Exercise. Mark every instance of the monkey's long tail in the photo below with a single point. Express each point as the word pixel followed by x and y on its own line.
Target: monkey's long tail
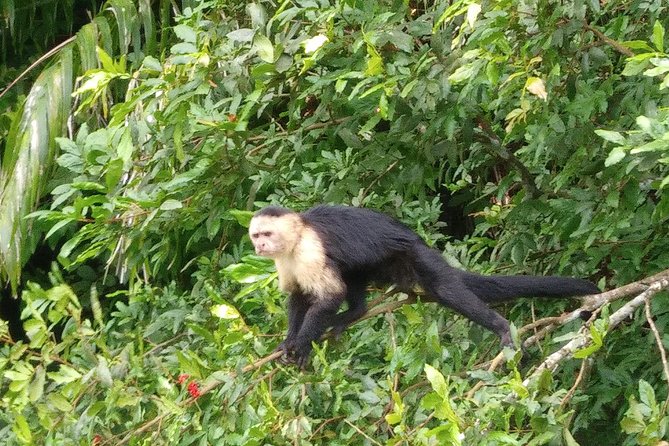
pixel 500 288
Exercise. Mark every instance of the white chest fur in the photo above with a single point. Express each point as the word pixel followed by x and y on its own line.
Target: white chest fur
pixel 306 270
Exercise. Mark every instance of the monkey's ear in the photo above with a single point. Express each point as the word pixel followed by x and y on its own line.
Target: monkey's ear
pixel 242 217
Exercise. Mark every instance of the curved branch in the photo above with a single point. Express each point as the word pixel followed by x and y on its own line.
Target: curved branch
pixel 552 362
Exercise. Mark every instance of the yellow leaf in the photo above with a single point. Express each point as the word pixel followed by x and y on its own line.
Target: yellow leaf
pixel 536 86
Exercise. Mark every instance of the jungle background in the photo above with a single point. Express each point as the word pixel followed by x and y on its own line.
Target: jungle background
pixel 518 137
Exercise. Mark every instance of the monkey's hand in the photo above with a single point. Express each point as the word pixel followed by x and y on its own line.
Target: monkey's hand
pixel 300 355
pixel 285 358
pixel 294 353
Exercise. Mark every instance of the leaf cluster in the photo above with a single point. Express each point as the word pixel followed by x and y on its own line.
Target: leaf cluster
pixel 517 137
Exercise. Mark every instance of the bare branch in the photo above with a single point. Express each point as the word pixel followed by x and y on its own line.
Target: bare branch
pixel 583 339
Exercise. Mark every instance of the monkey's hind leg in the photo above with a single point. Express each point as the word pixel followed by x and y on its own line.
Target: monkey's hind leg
pixel 357 307
pixel 444 283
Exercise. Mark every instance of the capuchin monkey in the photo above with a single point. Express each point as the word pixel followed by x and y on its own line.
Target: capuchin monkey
pixel 328 255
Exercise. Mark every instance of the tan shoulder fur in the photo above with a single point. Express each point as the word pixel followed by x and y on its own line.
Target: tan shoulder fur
pixel 307 269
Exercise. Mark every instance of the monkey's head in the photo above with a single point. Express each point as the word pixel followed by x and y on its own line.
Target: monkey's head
pixel 274 231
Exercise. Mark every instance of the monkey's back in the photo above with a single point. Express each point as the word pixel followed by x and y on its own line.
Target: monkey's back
pixel 356 237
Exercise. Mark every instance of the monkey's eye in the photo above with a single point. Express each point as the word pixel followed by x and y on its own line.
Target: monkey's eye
pixel 267 233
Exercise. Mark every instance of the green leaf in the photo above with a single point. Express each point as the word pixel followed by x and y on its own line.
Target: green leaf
pixel 60 402
pixel 36 388
pixel 374 66
pixel 242 217
pixel 658 36
pixel 185 33
pixel 615 156
pixel 637 64
pixel 638 45
pixel 647 394
pixel 29 154
pixel 393 418
pixel 241 35
pixel 436 380
pixel 170 204
pixel 257 13
pixel 653 146
pixel 463 73
pixel 183 48
pixel 22 429
pixel 264 48
pixel 614 137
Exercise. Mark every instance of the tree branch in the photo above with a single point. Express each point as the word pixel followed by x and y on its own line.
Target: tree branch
pixel 552 362
pixel 603 37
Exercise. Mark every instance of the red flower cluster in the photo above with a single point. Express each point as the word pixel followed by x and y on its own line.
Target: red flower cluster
pixel 96 440
pixel 193 386
pixel 183 378
pixel 194 389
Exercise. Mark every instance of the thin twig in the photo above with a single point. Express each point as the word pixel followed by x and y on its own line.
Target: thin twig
pixel 42 58
pixel 616 45
pixel 663 353
pixel 570 394
pixel 362 433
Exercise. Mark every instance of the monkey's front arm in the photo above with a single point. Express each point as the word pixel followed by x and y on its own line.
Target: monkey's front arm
pixel 307 321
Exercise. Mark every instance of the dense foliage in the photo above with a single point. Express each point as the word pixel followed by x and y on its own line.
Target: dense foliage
pixel 516 136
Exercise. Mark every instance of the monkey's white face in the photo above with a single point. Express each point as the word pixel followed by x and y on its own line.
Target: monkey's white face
pixel 272 236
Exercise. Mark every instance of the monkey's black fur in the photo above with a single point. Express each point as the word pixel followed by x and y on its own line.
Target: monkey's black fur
pixel 366 247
